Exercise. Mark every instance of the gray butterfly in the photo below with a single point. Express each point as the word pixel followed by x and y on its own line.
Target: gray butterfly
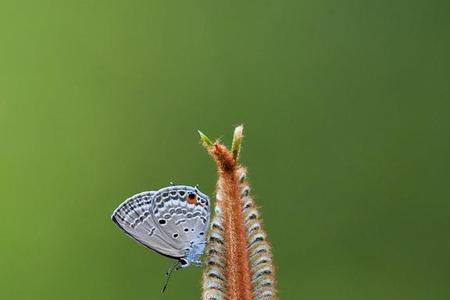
pixel 171 221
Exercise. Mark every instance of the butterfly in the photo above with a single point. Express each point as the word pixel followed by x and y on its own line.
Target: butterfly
pixel 171 221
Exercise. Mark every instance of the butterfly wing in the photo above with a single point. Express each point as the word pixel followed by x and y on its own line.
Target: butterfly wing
pixel 134 216
pixel 182 214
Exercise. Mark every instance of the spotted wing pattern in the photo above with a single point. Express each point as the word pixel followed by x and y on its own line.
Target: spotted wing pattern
pixel 134 217
pixel 182 212
pixel 168 221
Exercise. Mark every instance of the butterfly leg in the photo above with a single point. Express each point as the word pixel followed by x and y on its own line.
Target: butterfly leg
pixel 175 267
pixel 197 263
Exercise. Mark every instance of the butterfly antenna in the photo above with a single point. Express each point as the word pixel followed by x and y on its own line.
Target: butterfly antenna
pixel 175 267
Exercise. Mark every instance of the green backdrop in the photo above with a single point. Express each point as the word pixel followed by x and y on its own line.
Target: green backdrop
pixel 346 108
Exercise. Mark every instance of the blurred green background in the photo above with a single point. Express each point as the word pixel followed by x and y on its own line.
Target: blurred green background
pixel 347 115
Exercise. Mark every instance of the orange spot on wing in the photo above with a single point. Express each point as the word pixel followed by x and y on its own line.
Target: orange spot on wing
pixel 191 199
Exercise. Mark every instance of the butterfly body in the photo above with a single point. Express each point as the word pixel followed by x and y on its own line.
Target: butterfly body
pixel 171 221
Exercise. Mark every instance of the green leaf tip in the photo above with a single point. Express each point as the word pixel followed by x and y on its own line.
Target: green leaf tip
pixel 205 140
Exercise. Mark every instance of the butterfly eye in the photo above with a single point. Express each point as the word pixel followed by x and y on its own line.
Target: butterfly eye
pixel 191 198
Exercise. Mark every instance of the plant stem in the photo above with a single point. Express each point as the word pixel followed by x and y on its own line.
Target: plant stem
pixel 239 258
